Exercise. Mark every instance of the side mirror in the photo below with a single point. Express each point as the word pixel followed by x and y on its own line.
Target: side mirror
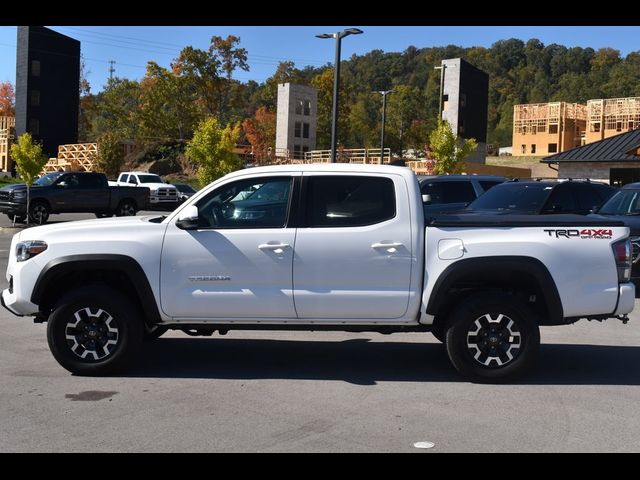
pixel 188 218
pixel 426 198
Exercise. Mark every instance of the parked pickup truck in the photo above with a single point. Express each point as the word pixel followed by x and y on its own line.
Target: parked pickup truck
pixel 162 195
pixel 318 247
pixel 61 192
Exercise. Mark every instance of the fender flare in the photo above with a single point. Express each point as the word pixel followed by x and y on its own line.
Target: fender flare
pixel 120 263
pixel 472 266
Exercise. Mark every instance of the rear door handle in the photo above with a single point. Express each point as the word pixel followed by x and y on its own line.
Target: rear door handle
pixel 274 247
pixel 391 247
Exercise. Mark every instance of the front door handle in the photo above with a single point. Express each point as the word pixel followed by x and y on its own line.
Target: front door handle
pixel 391 246
pixel 274 247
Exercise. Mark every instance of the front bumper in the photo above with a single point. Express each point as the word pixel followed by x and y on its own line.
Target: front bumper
pixel 20 308
pixel 13 208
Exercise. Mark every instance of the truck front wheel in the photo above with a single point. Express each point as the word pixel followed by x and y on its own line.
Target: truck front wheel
pixel 127 208
pixel 94 331
pixel 492 338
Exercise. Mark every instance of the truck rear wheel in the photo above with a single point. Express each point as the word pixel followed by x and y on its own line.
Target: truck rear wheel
pixel 492 338
pixel 94 331
pixel 127 208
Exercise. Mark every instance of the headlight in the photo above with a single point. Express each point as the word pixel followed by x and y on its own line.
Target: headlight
pixel 29 249
pixel 19 194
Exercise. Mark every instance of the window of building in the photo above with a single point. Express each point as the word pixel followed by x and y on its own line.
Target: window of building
pixel 618 126
pixel 595 127
pixel 305 148
pixel 553 148
pixel 34 126
pixel 297 129
pixel 445 102
pixel 533 148
pixel 305 130
pixel 35 68
pixel 35 98
pixel 349 201
pixel 297 151
pixel 553 128
pixel 523 149
pixel 542 128
pixel 299 107
pixel 463 100
pixel 307 108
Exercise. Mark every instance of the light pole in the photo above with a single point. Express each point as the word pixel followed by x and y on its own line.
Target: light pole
pixel 384 94
pixel 336 83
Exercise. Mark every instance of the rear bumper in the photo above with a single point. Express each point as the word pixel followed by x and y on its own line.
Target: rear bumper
pixel 626 298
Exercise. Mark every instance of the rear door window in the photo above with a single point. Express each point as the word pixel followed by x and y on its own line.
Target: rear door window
pixel 349 201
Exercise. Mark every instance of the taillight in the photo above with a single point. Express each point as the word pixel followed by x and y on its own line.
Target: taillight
pixel 622 254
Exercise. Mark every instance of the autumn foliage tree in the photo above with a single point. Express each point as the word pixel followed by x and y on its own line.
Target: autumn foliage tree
pixel 261 133
pixel 7 99
pixel 448 151
pixel 211 149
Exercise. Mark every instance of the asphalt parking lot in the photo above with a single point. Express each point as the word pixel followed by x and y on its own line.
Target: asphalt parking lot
pixel 319 392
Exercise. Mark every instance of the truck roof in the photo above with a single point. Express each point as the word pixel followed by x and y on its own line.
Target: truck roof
pixel 324 167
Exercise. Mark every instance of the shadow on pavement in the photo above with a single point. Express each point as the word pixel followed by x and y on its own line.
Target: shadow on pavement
pixel 362 362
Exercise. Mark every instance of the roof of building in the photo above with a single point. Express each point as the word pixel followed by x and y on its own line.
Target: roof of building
pixel 612 149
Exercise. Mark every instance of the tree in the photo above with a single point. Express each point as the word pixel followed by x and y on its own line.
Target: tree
pixel 211 149
pixel 448 151
pixel 7 99
pixel 261 133
pixel 29 161
pixel 324 83
pixel 168 107
pixel 117 109
pixel 110 154
pixel 211 72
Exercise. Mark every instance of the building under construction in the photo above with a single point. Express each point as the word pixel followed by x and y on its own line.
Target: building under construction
pixel 613 116
pixel 547 128
pixel 7 125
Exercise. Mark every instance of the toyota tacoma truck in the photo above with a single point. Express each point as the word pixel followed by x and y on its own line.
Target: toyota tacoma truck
pixel 318 247
pixel 71 192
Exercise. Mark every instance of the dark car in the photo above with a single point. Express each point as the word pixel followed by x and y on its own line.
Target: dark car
pixel 184 191
pixel 625 206
pixel 449 193
pixel 542 197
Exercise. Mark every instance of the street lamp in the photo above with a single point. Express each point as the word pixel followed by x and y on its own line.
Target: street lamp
pixel 384 94
pixel 442 68
pixel 336 83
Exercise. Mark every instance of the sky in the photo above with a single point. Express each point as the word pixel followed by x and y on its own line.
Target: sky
pixel 131 47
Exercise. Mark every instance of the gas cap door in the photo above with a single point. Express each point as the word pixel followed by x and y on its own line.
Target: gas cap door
pixel 450 248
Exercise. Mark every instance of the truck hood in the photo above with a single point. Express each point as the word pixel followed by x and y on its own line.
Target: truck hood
pixel 88 227
pixel 156 186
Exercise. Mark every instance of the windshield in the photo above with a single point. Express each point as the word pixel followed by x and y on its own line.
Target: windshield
pixel 514 197
pixel 149 179
pixel 624 202
pixel 47 179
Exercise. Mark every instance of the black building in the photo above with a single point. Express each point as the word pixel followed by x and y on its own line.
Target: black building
pixel 465 102
pixel 47 87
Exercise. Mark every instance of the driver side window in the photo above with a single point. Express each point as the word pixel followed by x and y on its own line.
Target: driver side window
pixel 253 203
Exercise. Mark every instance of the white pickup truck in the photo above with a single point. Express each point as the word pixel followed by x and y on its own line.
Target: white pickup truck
pixel 318 247
pixel 161 194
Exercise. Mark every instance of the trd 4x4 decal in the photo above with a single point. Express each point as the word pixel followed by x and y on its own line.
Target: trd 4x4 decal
pixel 603 233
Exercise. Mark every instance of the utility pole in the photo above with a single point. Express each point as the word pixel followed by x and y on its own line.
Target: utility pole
pixel 111 69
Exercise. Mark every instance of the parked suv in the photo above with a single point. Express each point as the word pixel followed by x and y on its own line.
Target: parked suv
pixel 163 195
pixel 625 206
pixel 448 193
pixel 543 197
